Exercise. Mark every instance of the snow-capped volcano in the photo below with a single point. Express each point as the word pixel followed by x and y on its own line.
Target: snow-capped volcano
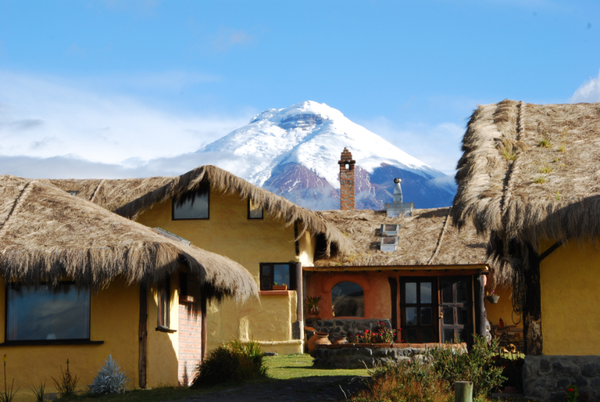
pixel 294 152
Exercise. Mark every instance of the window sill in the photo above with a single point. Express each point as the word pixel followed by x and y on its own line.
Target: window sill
pixel 160 328
pixel 50 342
pixel 274 292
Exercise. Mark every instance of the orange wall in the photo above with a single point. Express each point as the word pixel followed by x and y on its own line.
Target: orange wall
pixel 378 302
pixel 503 309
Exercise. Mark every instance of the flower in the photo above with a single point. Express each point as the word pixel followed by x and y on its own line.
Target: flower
pixel 568 390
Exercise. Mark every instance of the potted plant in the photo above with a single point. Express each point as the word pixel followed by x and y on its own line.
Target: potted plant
pixel 312 305
pixel 276 286
pixel 492 297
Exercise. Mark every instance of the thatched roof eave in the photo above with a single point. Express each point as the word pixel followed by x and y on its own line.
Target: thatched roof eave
pixel 48 235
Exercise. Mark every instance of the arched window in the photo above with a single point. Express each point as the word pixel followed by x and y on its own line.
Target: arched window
pixel 347 300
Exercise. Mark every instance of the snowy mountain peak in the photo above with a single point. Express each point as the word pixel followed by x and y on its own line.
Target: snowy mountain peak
pixel 311 135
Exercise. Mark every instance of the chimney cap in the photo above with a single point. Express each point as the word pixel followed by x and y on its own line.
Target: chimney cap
pixel 397 180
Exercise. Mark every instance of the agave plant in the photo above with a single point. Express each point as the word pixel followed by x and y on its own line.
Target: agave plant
pixel 110 380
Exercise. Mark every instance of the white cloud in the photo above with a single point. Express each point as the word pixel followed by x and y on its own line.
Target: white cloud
pixel 45 117
pixel 228 38
pixel 588 92
pixel 437 145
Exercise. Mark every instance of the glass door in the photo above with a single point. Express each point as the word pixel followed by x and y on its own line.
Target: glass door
pixel 456 314
pixel 418 304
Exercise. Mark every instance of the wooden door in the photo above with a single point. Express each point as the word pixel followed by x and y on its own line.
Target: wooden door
pixel 456 311
pixel 418 309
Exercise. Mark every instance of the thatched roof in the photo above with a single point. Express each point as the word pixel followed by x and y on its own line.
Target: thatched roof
pixel 48 234
pixel 530 172
pixel 226 182
pixel 110 193
pixel 425 238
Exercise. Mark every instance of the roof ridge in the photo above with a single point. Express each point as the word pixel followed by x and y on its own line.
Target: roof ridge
pixel 96 190
pixel 18 202
pixel 441 238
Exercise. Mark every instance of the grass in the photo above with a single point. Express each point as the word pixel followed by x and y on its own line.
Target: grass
pixel 298 366
pixel 279 368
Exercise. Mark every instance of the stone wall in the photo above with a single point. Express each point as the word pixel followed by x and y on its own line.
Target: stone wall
pixel 350 356
pixel 344 327
pixel 547 378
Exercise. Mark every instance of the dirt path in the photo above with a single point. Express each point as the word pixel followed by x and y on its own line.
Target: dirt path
pixel 295 390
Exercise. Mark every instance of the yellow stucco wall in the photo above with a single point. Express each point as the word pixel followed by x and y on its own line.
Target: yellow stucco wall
pixel 114 319
pixel 570 284
pixel 163 347
pixel 249 242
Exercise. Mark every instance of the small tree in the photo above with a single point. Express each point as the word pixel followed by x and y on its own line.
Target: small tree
pixel 110 380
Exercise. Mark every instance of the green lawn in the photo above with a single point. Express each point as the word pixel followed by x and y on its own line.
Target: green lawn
pixel 297 366
pixel 279 368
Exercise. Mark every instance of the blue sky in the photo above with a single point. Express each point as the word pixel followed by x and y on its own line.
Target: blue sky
pixel 121 82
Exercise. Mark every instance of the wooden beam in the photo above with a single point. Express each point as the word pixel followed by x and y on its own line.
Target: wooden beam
pixel 143 335
pixel 394 293
pixel 480 313
pixel 532 314
pixel 299 293
pixel 551 249
pixel 203 329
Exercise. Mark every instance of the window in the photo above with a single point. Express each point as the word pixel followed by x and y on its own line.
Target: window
pixel 347 300
pixel 193 204
pixel 456 312
pixel 164 302
pixel 46 313
pixel 254 210
pixel 279 273
pixel 73 192
pixel 418 306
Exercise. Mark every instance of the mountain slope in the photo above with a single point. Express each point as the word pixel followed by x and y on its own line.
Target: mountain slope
pixel 294 152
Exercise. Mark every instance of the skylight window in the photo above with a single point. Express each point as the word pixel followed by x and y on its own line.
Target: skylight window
pixel 388 244
pixel 193 204
pixel 390 230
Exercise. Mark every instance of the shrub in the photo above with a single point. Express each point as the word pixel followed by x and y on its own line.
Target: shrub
pixel 235 361
pixel 110 379
pixel 432 378
pixel 67 383
pixel 407 381
pixel 477 366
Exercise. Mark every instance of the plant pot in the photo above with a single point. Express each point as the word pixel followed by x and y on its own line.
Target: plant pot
pixel 279 287
pixel 493 298
pixel 340 341
pixel 315 310
pixel 319 338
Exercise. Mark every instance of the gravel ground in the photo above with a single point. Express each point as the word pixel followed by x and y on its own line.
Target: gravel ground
pixel 295 390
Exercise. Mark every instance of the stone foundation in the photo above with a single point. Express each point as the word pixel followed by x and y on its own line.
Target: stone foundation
pixel 344 327
pixel 352 356
pixel 547 378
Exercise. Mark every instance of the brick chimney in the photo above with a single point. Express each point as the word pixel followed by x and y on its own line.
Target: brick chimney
pixel 347 180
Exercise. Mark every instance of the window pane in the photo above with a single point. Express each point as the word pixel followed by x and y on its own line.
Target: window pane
pixel 448 315
pixel 448 335
pixel 410 292
pixel 254 211
pixel 266 270
pixel 447 292
pixel 47 314
pixel 463 317
pixel 462 335
pixel 347 300
pixel 426 292
pixel 427 335
pixel 426 316
pixel 281 274
pixel 462 292
pixel 411 315
pixel 193 205
pixel 412 335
